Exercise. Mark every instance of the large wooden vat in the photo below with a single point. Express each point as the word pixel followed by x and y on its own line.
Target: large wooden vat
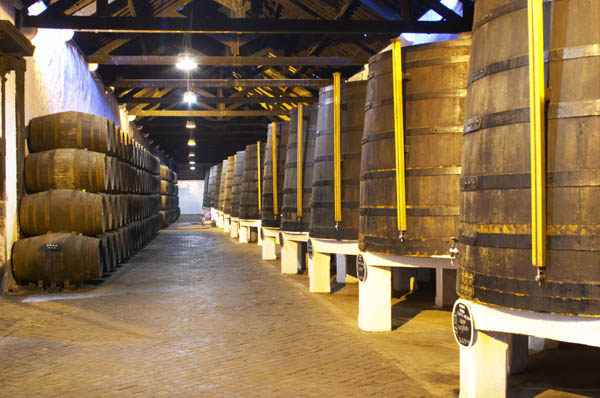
pixel 62 210
pixel 229 184
pixel 205 200
pixel 167 188
pixel 217 191
pixel 169 202
pixel 236 190
pixel 433 140
pixel 271 217
pixel 249 195
pixel 322 217
pixel 212 183
pixel 56 258
pixel 167 174
pixel 289 212
pixel 67 169
pixel 495 265
pixel 71 130
pixel 222 182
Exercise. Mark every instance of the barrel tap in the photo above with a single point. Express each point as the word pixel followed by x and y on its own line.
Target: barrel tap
pixel 453 251
pixel 541 275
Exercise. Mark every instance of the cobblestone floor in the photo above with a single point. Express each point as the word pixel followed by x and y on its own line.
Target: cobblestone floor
pixel 195 314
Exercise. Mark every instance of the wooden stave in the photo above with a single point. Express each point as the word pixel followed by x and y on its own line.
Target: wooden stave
pixel 222 182
pixel 229 184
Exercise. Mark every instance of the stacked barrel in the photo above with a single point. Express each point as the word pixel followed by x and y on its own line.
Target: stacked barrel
pixel 169 199
pixel 92 199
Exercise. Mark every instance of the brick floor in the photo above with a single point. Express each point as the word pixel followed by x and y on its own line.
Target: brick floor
pixel 195 314
pixel 192 314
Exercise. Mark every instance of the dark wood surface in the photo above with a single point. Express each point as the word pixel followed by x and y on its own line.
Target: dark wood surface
pixel 269 218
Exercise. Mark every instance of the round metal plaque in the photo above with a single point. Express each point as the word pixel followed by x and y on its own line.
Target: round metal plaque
pixel 361 268
pixel 462 324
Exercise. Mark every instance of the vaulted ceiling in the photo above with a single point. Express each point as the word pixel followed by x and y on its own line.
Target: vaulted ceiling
pixel 257 59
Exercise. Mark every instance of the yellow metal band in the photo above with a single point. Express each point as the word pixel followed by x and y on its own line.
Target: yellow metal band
pixel 259 173
pixel 337 143
pixel 274 166
pixel 299 183
pixel 399 135
pixel 537 98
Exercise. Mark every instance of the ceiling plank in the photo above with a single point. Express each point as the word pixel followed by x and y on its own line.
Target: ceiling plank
pixel 171 60
pixel 236 25
pixel 227 100
pixel 220 83
pixel 211 113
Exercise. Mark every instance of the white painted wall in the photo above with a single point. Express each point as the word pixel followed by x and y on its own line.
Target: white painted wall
pixel 57 80
pixel 190 196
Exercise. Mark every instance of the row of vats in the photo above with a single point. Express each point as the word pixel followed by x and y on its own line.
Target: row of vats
pixel 428 164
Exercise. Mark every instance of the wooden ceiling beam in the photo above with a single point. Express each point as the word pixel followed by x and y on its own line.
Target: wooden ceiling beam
pixel 211 113
pixel 220 83
pixel 171 60
pixel 228 100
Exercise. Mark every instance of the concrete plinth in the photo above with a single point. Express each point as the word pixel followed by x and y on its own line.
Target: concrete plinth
pixel 249 231
pixel 234 233
pixel 342 267
pixel 293 252
pixel 270 238
pixel 319 271
pixel 226 223
pixel 319 265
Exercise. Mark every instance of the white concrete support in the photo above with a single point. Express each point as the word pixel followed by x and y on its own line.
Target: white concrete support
pixel 226 223
pixel 503 339
pixel 269 248
pixel 244 234
pixel 291 257
pixel 375 300
pixel 220 219
pixel 248 231
pixel 319 270
pixel 445 287
pixel 342 267
pixel 214 214
pixel 235 228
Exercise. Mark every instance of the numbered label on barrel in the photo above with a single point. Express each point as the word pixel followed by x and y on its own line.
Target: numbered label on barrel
pixel 309 248
pixel 361 268
pixel 280 238
pixel 462 324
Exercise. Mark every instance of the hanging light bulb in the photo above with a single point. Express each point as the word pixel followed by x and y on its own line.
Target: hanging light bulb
pixel 186 62
pixel 192 154
pixel 190 124
pixel 191 140
pixel 192 168
pixel 189 97
pixel 192 162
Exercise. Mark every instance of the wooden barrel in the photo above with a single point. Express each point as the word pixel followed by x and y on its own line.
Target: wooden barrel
pixel 217 190
pixel 236 190
pixel 495 259
pixel 205 190
pixel 249 207
pixel 62 210
pixel 66 169
pixel 212 183
pixel 109 221
pixel 168 202
pixel 106 256
pixel 116 246
pixel 169 216
pixel 58 257
pixel 167 174
pixel 433 140
pixel 222 182
pixel 322 217
pixel 229 184
pixel 270 216
pixel 69 130
pixel 167 188
pixel 289 215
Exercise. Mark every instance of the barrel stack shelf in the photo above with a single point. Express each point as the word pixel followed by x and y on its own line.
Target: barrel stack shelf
pixel 227 191
pixel 410 171
pixel 236 193
pixel 295 212
pixel 92 200
pixel 272 187
pixel 527 254
pixel 169 196
pixel 251 195
pixel 334 213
